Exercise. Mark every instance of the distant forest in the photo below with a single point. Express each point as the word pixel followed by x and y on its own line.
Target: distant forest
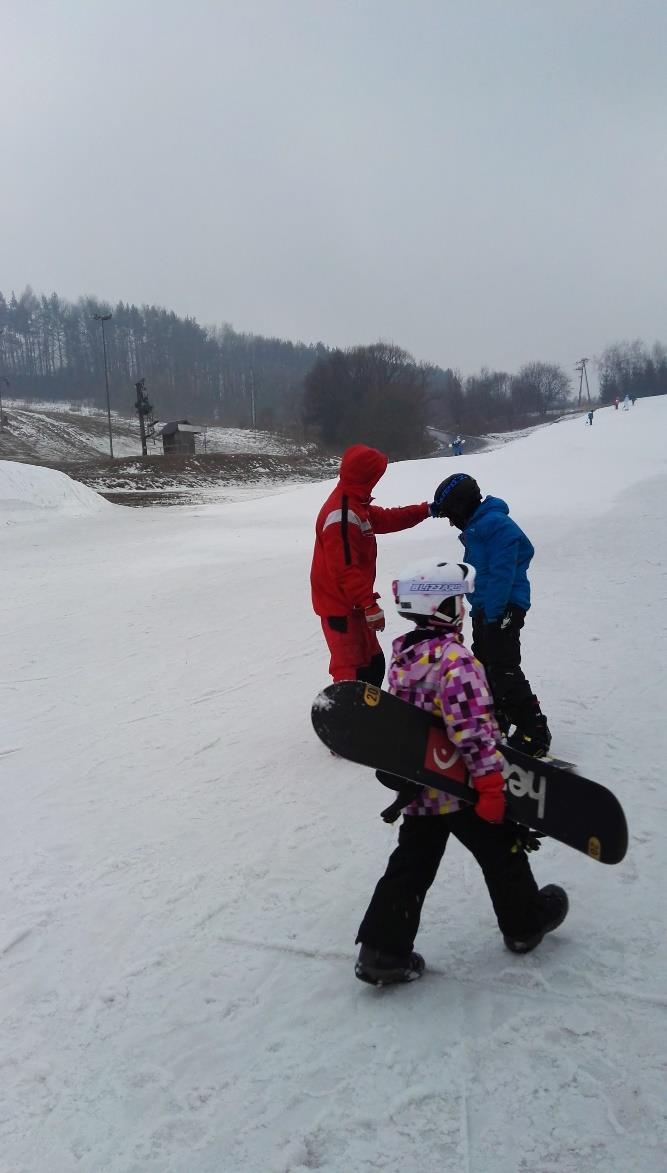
pixel 52 349
pixel 631 369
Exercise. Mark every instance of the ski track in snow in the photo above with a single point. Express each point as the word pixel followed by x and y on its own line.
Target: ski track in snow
pixel 184 867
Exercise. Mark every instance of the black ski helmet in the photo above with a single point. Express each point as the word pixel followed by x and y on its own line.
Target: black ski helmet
pixel 457 498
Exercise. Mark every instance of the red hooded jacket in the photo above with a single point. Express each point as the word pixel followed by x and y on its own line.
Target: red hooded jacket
pixel 342 575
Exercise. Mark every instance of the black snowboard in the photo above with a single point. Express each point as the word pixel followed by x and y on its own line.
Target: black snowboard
pixel 374 728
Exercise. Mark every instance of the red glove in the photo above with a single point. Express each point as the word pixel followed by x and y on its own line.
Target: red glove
pixel 374 617
pixel 490 805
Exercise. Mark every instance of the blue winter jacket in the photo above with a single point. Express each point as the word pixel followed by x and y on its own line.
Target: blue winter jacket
pixel 501 554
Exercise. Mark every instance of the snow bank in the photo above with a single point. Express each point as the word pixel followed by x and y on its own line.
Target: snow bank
pixel 29 493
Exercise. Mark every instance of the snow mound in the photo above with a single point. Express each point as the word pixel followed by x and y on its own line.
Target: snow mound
pixel 28 493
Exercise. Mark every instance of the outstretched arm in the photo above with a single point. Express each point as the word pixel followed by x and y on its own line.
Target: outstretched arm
pixel 389 521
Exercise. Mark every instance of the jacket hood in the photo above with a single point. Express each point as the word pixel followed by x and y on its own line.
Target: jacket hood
pixel 361 467
pixel 419 655
pixel 489 505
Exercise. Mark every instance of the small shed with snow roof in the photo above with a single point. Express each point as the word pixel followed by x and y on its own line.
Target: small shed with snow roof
pixel 178 438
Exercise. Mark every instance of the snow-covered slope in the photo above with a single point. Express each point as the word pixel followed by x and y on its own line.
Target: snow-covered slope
pixel 65 432
pixel 29 493
pixel 184 867
pixel 71 432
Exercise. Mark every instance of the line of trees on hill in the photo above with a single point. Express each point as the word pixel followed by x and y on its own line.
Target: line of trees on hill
pixel 629 368
pixel 378 394
pixel 52 349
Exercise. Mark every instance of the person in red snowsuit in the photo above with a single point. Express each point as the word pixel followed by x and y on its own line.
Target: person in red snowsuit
pixel 342 575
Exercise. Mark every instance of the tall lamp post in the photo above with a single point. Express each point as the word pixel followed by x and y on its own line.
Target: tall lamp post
pixel 106 318
pixel 6 382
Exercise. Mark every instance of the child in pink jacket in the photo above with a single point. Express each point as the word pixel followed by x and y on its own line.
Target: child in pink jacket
pixel 433 669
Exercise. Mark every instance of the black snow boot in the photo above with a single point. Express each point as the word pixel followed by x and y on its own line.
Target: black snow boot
pixel 553 907
pixel 383 969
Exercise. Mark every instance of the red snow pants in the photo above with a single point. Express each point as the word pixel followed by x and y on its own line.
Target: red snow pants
pixel 354 648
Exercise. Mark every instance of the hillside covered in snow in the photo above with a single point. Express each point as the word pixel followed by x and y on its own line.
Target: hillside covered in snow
pixel 184 866
pixel 70 432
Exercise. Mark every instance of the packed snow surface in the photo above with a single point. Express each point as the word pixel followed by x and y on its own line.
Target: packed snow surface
pixel 184 866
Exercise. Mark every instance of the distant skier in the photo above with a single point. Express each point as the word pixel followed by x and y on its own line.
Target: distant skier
pixel 342 575
pixel 433 669
pixel 590 418
pixel 616 403
pixel 457 446
pixel 501 554
pixel 626 403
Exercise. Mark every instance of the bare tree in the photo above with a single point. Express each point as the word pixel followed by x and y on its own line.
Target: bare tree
pixel 540 388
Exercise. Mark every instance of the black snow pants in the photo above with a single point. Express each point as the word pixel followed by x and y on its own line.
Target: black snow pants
pixel 392 918
pixel 498 647
pixel 373 673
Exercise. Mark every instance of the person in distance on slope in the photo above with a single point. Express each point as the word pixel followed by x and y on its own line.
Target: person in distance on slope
pixel 501 554
pixel 431 668
pixel 342 575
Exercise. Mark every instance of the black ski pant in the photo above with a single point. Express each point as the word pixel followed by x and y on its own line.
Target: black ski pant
pixel 498 647
pixel 392 918
pixel 373 673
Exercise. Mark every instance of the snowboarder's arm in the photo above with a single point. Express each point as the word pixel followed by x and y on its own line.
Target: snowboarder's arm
pixel 467 711
pixel 389 521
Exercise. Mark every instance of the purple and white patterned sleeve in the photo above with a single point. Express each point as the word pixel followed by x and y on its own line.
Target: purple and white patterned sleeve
pixel 467 708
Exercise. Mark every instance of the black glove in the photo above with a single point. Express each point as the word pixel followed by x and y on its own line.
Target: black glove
pixel 500 624
pixel 523 838
pixel 407 793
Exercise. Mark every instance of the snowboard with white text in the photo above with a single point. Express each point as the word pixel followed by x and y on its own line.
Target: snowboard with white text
pixel 363 723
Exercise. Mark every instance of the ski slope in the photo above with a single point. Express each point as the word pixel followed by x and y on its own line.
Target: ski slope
pixel 184 866
pixel 71 431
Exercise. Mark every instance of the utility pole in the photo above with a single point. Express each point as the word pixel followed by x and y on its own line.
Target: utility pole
pixel 106 318
pixel 581 367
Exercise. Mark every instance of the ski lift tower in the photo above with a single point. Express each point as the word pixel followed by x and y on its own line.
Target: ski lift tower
pixel 144 410
pixel 581 367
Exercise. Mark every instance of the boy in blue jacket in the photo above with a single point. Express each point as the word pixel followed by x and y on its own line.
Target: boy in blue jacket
pixel 501 554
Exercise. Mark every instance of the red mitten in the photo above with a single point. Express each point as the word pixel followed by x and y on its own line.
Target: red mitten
pixel 374 617
pixel 490 804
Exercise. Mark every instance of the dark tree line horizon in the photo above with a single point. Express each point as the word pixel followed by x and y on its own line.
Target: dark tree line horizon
pixel 51 348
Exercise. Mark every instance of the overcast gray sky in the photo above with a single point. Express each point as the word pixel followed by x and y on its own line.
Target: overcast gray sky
pixel 481 182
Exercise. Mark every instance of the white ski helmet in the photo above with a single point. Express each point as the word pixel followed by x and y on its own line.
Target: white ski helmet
pixel 432 592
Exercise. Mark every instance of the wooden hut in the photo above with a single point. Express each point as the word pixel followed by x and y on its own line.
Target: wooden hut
pixel 178 438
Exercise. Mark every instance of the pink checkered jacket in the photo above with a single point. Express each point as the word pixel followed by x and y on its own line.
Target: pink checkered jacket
pixel 439 674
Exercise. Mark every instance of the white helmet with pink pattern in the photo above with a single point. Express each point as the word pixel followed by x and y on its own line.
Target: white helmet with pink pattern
pixel 431 592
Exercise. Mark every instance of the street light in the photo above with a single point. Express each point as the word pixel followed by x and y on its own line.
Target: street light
pixel 106 318
pixel 6 383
